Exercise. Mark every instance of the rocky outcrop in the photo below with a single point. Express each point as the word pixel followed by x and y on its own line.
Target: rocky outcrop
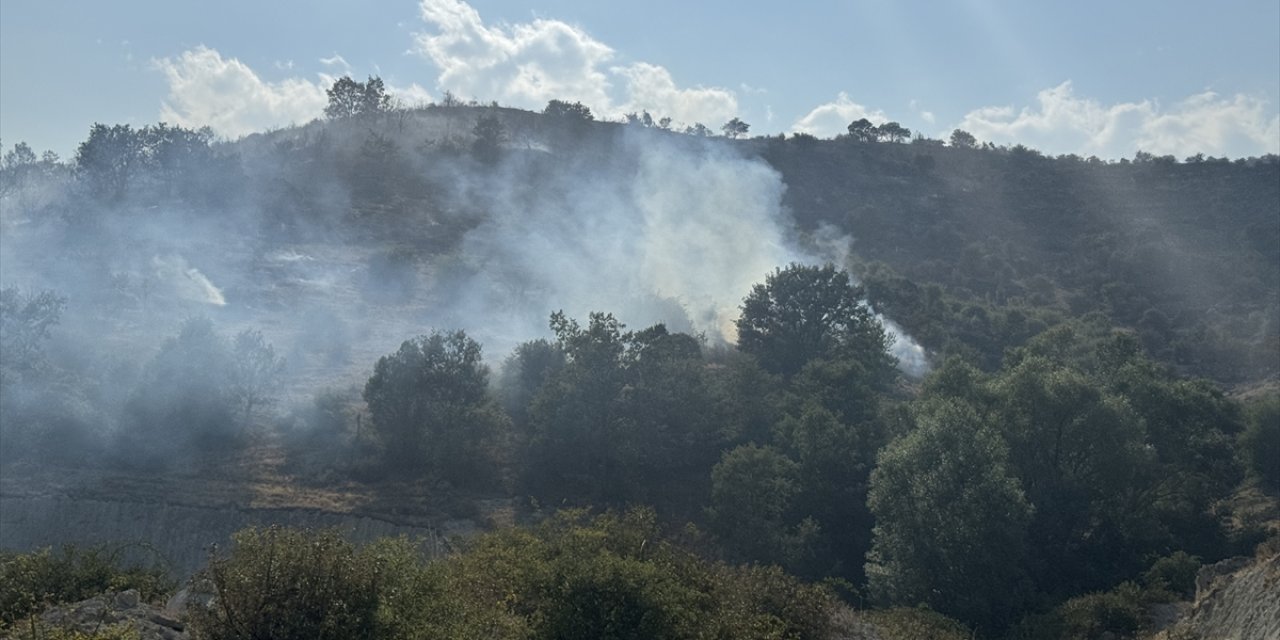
pixel 117 610
pixel 1236 599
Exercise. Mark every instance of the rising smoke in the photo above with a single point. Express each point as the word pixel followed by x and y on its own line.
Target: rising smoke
pixel 652 226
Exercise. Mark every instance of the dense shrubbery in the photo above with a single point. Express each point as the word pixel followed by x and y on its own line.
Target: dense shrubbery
pixel 1260 442
pixel 574 576
pixel 293 585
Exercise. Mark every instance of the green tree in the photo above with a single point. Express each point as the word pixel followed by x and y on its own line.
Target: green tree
pixel 489 136
pixel 1260 442
pixel 524 373
pixel 951 520
pixel 290 584
pixel 349 98
pixel 256 372
pixel 430 406
pixel 862 130
pixel 805 313
pixel 962 139
pixel 183 403
pixel 568 110
pixel 626 418
pixel 752 490
pixel 735 128
pixel 892 132
pixel 26 320
pixel 107 160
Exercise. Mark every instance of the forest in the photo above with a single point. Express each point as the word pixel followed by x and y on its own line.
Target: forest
pixel 737 387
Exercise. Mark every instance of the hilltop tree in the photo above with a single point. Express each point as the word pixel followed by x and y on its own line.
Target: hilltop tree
pixel 735 128
pixel 962 139
pixel 349 98
pixel 862 130
pixel 698 129
pixel 893 132
pixel 568 110
pixel 108 158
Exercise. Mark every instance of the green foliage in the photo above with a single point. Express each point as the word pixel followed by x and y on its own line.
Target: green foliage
pixel 349 98
pixel 806 313
pixel 752 489
pixel 561 109
pixel 914 623
pixel 962 139
pixel 625 419
pixel 1115 613
pixel 117 160
pixel 614 576
pixel 256 372
pixel 735 128
pixel 431 408
pixel 288 584
pixel 32 582
pixel 951 520
pixel 25 322
pixel 1174 574
pixel 489 135
pixel 1260 441
pixel 524 373
pixel 183 402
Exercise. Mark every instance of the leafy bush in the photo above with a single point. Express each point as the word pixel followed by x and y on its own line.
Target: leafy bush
pixel 293 584
pixel 283 583
pixel 32 582
pixel 613 576
pixel 1115 613
pixel 1175 574
pixel 1260 442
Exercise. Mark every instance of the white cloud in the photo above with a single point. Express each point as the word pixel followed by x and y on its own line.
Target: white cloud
pixel 336 61
pixel 528 64
pixel 413 95
pixel 832 118
pixel 924 114
pixel 651 88
pixel 225 94
pixel 1064 123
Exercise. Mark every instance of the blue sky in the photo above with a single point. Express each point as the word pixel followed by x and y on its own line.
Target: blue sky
pixel 1086 77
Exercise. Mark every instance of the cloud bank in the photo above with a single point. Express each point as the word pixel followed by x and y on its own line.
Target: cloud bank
pixel 1061 122
pixel 830 119
pixel 206 89
pixel 528 64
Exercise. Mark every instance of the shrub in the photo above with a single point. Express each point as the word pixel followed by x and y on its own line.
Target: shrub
pixel 1260 442
pixel 1175 574
pixel 285 584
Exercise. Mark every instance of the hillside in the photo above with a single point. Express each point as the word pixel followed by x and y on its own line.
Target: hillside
pixel 1006 387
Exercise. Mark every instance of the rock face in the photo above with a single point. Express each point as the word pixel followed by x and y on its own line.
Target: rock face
pixel 180 535
pixel 1236 599
pixel 148 621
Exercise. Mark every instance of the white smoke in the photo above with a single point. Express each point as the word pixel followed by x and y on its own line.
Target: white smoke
pixel 186 281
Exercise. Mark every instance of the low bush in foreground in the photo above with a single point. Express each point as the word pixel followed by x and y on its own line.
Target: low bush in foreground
pixel 605 577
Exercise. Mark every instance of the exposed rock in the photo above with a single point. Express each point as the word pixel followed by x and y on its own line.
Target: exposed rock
pixel 149 621
pixel 1236 599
